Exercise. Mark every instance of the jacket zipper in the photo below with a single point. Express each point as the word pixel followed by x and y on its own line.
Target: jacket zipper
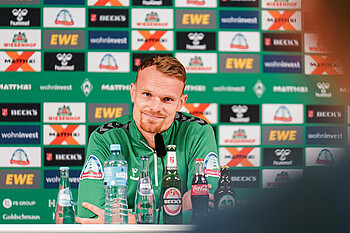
pixel 155 162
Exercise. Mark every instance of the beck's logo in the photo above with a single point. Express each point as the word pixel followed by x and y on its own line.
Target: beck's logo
pixel 4 112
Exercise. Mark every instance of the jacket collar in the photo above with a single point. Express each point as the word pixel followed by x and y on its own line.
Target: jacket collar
pixel 139 141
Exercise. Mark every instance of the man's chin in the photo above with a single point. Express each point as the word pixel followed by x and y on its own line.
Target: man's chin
pixel 151 127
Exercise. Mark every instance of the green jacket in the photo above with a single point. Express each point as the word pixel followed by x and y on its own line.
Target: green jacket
pixel 193 137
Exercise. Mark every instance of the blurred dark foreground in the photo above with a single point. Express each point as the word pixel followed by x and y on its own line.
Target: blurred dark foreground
pixel 318 203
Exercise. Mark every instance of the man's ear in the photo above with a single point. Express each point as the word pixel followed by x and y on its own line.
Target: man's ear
pixel 132 92
pixel 183 100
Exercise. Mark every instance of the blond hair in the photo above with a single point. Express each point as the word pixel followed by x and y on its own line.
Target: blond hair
pixel 167 65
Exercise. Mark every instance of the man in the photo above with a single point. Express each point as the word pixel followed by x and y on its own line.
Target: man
pixel 157 95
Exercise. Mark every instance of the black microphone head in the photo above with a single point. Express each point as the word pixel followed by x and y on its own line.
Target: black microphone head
pixel 160 146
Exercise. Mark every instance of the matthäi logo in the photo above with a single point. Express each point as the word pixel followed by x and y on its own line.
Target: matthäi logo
pixel 86 87
pixel 259 88
pixel 323 88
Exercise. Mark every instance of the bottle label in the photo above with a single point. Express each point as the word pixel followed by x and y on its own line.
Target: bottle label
pixel 171 161
pixel 172 201
pixel 145 186
pixel 226 202
pixel 116 176
pixel 200 189
pixel 64 197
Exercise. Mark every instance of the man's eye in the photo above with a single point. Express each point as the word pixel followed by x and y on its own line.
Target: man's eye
pixel 147 94
pixel 168 99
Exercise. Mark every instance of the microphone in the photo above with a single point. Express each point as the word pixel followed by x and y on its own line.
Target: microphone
pixel 160 146
pixel 161 152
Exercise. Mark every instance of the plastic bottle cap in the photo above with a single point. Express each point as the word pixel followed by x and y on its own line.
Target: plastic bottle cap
pixel 64 168
pixel 115 147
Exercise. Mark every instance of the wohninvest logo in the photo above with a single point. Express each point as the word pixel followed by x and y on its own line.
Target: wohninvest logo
pixel 282 64
pixel 108 40
pixel 239 19
pixel 52 179
pixel 17 134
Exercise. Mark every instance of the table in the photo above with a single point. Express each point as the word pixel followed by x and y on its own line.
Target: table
pixel 53 228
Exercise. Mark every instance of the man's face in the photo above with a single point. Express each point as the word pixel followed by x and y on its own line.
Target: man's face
pixel 156 97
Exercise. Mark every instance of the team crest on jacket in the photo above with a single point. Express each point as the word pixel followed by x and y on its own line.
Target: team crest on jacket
pixel 92 169
pixel 211 165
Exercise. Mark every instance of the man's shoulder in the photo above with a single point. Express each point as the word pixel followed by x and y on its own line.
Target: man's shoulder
pixel 122 123
pixel 188 120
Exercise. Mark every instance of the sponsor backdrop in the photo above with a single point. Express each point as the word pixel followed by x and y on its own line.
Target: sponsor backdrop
pixel 257 72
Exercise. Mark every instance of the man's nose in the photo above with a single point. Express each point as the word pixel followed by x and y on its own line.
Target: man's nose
pixel 155 104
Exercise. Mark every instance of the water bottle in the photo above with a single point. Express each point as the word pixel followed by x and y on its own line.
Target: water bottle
pixel 65 213
pixel 116 187
pixel 145 202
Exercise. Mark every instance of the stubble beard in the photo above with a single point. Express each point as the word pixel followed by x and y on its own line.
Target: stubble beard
pixel 150 126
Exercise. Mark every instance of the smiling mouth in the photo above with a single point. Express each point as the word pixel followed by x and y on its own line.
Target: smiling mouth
pixel 153 117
